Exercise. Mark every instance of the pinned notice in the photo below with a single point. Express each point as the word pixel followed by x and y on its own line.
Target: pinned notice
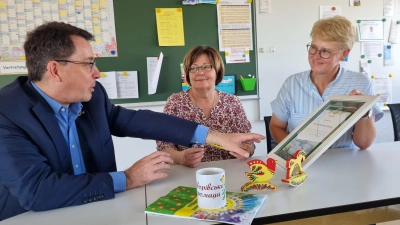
pixel 237 55
pixel 329 11
pixel 13 67
pixel 153 72
pixel 170 27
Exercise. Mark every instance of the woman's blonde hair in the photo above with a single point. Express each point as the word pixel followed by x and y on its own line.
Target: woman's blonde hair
pixel 212 54
pixel 336 28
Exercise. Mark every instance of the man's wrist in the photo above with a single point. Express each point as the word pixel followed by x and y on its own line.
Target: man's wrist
pixel 210 135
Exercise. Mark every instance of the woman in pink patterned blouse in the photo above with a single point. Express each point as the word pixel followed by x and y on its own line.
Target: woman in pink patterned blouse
pixel 217 110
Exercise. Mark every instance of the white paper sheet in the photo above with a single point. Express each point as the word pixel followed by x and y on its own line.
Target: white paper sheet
pixel 329 11
pixel 398 8
pixel 234 25
pixel 388 7
pixel 127 84
pixel 153 72
pixel 383 88
pixel 107 79
pixel 393 34
pixel 265 6
pixel 237 55
pixel 371 49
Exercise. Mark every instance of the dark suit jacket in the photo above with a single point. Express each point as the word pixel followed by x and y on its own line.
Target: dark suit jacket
pixel 35 164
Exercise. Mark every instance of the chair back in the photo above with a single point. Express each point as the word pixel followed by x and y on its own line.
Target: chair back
pixel 395 112
pixel 267 120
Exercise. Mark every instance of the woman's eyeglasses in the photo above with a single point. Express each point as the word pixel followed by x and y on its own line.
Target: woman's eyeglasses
pixel 205 68
pixel 324 53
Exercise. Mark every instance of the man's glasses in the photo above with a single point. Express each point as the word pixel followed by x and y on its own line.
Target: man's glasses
pixel 324 53
pixel 205 68
pixel 89 64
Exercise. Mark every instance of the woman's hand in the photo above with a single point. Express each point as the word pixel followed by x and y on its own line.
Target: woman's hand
pixel 191 157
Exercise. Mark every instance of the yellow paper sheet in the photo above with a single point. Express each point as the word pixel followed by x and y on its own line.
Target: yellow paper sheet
pixel 170 27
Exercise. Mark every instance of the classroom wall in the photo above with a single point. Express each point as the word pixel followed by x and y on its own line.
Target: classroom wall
pixel 287 29
pixel 129 150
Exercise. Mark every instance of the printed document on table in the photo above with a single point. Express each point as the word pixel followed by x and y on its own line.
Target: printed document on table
pixel 234 25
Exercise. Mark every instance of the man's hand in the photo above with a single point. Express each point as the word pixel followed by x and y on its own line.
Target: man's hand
pixel 146 169
pixel 232 141
pixel 248 147
pixel 192 156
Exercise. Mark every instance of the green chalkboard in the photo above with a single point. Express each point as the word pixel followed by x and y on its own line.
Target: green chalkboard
pixel 136 29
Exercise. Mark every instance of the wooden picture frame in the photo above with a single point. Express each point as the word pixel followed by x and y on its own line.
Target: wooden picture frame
pixel 323 127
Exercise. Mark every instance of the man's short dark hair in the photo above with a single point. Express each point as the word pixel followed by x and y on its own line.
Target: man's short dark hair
pixel 47 42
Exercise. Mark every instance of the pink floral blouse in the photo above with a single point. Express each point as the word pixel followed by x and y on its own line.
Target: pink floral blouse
pixel 227 116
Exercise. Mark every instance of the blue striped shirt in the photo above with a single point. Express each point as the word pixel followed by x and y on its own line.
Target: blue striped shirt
pixel 299 97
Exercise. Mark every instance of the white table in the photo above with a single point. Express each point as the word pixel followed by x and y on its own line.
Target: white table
pixel 125 209
pixel 340 180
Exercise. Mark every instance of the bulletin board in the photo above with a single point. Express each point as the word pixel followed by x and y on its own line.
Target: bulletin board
pixel 136 33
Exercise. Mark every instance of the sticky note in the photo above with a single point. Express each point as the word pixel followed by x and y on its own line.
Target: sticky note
pixel 98 40
pixel 96 30
pixel 62 13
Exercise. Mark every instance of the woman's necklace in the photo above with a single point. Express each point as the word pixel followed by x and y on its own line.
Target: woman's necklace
pixel 195 102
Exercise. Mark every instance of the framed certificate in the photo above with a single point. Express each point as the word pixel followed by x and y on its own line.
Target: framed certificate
pixel 369 30
pixel 323 127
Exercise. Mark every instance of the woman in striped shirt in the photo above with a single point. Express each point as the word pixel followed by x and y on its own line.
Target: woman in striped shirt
pixel 302 93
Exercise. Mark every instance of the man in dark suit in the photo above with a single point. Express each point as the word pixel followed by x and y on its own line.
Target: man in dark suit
pixel 56 124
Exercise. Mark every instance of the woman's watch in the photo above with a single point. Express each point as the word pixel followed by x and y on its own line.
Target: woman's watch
pixel 367 115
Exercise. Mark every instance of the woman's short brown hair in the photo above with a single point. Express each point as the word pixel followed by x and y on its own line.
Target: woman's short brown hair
pixel 336 28
pixel 214 57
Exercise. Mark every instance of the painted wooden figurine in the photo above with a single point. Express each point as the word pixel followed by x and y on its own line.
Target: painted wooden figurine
pixel 260 175
pixel 298 177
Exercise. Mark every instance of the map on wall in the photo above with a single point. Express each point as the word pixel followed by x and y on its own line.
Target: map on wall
pixel 17 17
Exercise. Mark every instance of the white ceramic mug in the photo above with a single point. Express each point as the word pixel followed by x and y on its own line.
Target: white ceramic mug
pixel 211 188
